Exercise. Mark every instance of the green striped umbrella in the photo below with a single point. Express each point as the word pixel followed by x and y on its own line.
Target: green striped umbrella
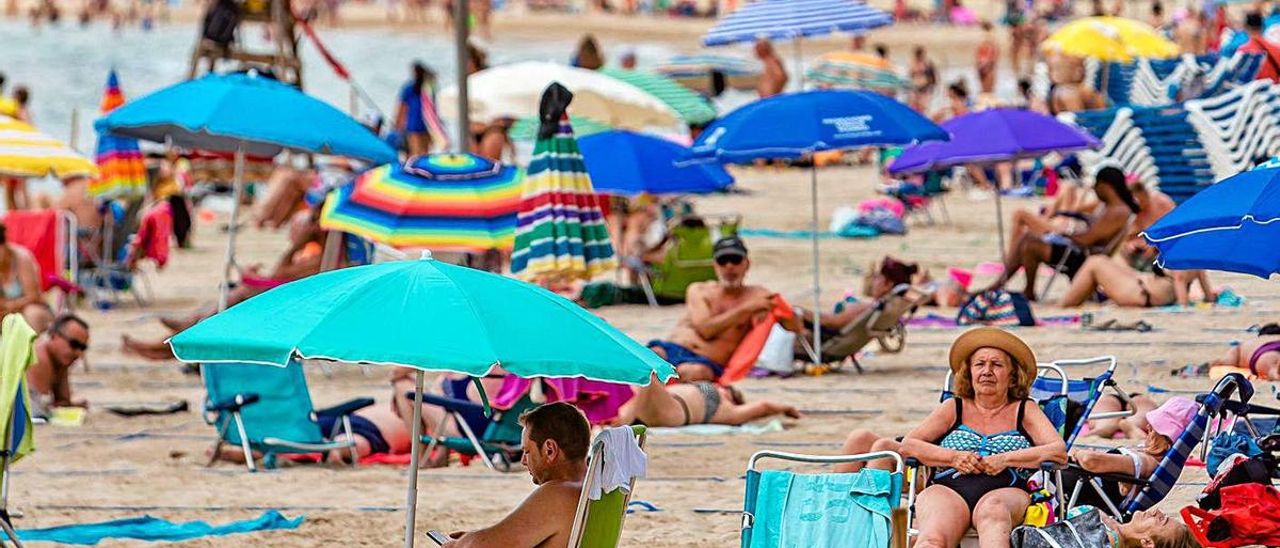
pixel 692 107
pixel 526 129
pixel 854 70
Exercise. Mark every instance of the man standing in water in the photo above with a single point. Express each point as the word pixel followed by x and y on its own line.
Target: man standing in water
pixel 718 315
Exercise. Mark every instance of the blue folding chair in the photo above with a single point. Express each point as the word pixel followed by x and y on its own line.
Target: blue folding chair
pixel 870 494
pixel 1082 393
pixel 271 411
pixel 494 439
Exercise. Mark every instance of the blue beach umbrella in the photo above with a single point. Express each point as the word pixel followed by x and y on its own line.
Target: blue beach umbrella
pixel 245 114
pixel 793 19
pixel 796 125
pixel 1231 226
pixel 629 163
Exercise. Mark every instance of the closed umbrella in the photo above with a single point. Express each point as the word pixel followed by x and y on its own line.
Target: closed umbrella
pixel 122 171
pixel 450 202
pixel 1232 226
pixel 796 125
pixel 513 91
pixel 247 114
pixel 629 163
pixel 376 315
pixel 25 152
pixel 560 230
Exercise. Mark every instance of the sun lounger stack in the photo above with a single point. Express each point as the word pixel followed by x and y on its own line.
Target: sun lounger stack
pixel 1156 144
pixel 1239 128
pixel 1235 71
pixel 1123 144
pixel 1156 82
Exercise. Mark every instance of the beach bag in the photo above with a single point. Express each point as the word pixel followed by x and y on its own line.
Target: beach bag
pixel 778 354
pixel 1082 531
pixel 1250 515
pixel 996 307
pixel 1237 470
pixel 1226 444
pixel 752 345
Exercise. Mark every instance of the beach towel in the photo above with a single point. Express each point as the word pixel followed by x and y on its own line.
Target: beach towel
pixel 37 231
pixel 773 425
pixel 801 510
pixel 599 401
pixel 16 356
pixel 748 351
pixel 154 529
pixel 153 234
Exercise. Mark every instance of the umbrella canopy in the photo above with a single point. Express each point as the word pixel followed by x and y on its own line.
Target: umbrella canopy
pixel 694 72
pixel 513 91
pixel 1110 39
pixel 560 230
pixel 793 125
pixel 692 107
pixel 526 129
pixel 249 111
pixel 855 70
pixel 629 163
pixel 25 152
pixel 122 171
pixel 789 19
pixel 1232 225
pixel 376 315
pixel 994 135
pixel 453 202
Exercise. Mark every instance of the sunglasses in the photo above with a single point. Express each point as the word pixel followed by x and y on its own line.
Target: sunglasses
pixel 75 344
pixel 729 260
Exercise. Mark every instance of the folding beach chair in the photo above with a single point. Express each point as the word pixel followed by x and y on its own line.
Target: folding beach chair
pixel 1147 492
pixel 268 409
pixel 786 508
pixel 598 523
pixel 687 260
pixel 1106 250
pixel 1083 394
pixel 495 439
pixel 46 234
pixel 885 323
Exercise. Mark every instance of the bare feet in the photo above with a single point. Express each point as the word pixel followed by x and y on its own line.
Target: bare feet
pixel 151 351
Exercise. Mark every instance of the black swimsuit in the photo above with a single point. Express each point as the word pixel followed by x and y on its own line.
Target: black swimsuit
pixel 972 487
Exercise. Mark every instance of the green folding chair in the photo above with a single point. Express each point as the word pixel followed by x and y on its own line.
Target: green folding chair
pixel 268 409
pixel 598 523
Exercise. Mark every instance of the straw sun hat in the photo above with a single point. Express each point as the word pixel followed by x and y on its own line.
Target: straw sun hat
pixel 993 337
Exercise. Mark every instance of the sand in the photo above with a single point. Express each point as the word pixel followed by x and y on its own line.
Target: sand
pixel 114 467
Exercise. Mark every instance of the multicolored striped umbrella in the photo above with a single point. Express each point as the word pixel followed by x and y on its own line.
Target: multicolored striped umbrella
pixel 444 202
pixel 692 107
pixel 122 170
pixel 560 230
pixel 855 70
pixel 25 152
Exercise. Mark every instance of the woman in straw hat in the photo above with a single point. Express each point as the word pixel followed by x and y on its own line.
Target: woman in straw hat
pixel 978 441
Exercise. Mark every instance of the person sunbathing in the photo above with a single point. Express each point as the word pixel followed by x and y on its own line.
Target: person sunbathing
pixel 19 276
pixel 718 316
pixel 555 441
pixel 1154 204
pixel 1260 357
pixel 1127 287
pixel 883 278
pixel 376 430
pixel 403 381
pixel 701 402
pixel 1134 426
pixel 1071 250
pixel 1068 213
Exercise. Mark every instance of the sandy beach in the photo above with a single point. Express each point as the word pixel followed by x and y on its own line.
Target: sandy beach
pixel 114 467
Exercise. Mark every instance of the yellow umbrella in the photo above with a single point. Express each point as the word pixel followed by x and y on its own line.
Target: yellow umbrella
pixel 1112 39
pixel 25 152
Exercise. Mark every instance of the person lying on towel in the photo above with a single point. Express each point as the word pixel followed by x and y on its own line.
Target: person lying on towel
pixel 1258 358
pixel 718 316
pixel 699 402
pixel 555 441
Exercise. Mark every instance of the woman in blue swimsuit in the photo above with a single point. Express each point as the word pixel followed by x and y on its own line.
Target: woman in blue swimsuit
pixel 977 442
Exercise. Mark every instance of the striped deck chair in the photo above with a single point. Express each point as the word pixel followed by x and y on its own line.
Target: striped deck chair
pixel 1080 394
pixel 1147 492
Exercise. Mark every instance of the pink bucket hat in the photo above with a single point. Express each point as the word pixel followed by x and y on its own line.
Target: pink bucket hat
pixel 1170 419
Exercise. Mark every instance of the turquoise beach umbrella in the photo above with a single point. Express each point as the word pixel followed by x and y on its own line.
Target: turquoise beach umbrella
pixel 426 315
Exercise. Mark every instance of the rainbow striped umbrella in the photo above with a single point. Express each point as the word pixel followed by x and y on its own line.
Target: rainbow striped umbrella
pixel 560 230
pixel 445 202
pixel 122 171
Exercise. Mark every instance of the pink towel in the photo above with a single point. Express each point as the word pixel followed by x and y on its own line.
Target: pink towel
pixel 600 401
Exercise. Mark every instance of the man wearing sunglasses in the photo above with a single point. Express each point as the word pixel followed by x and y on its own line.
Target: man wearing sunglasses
pixel 718 315
pixel 57 349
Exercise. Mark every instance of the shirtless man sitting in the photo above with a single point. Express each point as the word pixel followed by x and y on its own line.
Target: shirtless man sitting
pixel 719 314
pixel 555 441
pixel 49 379
pixel 696 403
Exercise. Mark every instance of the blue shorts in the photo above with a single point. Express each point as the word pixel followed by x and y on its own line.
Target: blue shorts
pixel 677 355
pixel 360 426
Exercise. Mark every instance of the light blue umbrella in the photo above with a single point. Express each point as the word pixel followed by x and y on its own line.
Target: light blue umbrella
pixel 245 114
pixel 793 19
pixel 426 315
pixel 796 125
pixel 629 163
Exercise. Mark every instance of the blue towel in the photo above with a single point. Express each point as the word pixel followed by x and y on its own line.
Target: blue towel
pixel 154 529
pixel 802 510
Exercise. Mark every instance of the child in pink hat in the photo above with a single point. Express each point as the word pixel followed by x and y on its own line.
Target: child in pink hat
pixel 1166 424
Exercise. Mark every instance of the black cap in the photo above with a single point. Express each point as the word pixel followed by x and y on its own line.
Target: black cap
pixel 731 246
pixel 1253 21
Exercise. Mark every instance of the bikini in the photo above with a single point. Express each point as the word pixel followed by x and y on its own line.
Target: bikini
pixel 1142 284
pixel 1270 346
pixel 972 487
pixel 711 397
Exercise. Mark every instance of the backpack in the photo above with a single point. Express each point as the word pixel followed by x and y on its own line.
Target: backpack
pixel 996 307
pixel 221 21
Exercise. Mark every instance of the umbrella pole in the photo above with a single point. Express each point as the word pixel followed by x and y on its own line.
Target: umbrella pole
pixel 411 502
pixel 817 275
pixel 236 189
pixel 999 222
pixel 332 246
pixel 799 64
pixel 460 27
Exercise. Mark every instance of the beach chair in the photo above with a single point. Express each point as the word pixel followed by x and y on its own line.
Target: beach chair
pixel 268 409
pixel 885 323
pixel 14 431
pixel 1082 393
pixel 786 508
pixel 598 523
pixel 495 439
pixel 46 233
pixel 1147 492
pixel 687 259
pixel 1106 250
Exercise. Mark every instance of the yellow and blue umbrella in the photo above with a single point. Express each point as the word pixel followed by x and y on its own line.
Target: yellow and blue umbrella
pixel 25 152
pixel 122 170
pixel 448 202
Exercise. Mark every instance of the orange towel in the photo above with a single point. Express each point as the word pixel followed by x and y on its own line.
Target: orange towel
pixel 748 351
